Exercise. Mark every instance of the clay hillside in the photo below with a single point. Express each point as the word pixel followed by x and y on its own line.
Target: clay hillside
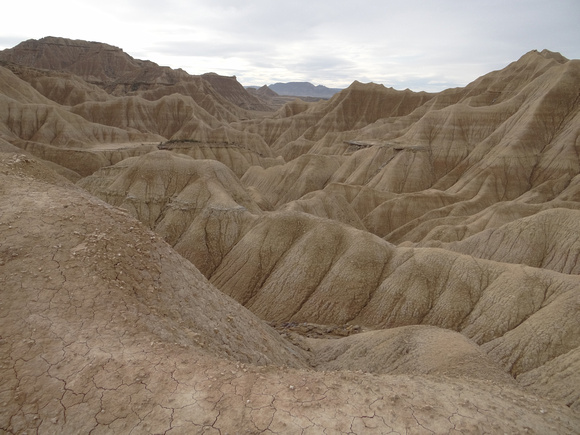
pixel 179 256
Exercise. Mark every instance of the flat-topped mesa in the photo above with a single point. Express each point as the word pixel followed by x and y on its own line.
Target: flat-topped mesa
pixel 96 62
pixel 117 72
pixel 233 91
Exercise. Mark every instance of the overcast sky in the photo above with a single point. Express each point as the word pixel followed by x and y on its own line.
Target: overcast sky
pixel 422 45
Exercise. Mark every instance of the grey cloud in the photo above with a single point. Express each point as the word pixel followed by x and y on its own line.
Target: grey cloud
pixel 217 48
pixel 415 44
pixel 10 41
pixel 321 63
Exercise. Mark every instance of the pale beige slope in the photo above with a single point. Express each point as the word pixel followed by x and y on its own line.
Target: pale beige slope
pixel 46 129
pixel 362 199
pixel 68 140
pixel 281 262
pixel 198 206
pixel 355 107
pixel 363 164
pixel 282 123
pixel 202 92
pixel 93 341
pixel 326 204
pixel 15 89
pixel 488 90
pixel 536 144
pixel 469 219
pixel 548 239
pixel 451 123
pixel 361 104
pixel 281 184
pixel 557 379
pixel 295 267
pixel 175 116
pixel 237 157
pixel 508 147
pixel 224 134
pixel 459 220
pixel 571 192
pixel 408 350
pixel 498 86
pixel 163 117
pixel 63 88
pixel 50 124
pixel 398 215
pixel 285 127
pixel 435 145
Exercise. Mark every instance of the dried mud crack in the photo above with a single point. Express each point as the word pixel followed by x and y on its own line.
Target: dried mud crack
pixel 312 330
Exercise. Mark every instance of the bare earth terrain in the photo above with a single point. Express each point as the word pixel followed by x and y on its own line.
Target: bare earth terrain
pixel 178 255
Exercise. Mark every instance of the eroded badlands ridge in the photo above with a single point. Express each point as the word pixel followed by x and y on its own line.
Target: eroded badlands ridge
pixel 443 226
pixel 105 328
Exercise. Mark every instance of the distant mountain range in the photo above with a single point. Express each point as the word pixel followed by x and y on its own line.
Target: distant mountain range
pixel 303 89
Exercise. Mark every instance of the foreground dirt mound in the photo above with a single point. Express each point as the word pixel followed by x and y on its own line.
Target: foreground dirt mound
pixel 104 328
pixel 115 256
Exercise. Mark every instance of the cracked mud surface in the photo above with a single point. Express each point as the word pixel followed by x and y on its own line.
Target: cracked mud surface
pixel 105 329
